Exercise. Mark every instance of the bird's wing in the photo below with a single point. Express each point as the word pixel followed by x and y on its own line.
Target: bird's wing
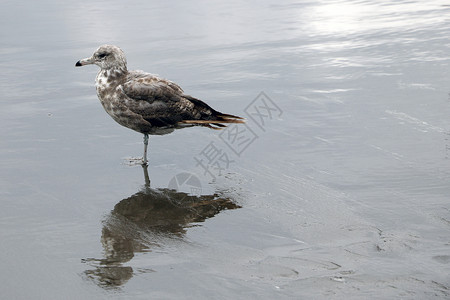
pixel 159 101
pixel 162 103
pixel 149 87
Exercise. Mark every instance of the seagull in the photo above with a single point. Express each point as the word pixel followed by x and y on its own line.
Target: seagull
pixel 145 102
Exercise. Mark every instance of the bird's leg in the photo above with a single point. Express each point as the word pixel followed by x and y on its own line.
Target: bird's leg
pixel 144 159
pixel 146 177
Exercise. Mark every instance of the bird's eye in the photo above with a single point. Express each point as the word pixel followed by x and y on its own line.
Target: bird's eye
pixel 102 55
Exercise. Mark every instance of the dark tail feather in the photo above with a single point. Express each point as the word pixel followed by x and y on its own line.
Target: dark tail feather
pixel 210 117
pixel 218 123
pixel 229 117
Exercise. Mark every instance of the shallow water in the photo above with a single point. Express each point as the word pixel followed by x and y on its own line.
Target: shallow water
pixel 337 187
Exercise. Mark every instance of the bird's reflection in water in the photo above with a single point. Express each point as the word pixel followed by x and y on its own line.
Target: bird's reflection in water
pixel 142 222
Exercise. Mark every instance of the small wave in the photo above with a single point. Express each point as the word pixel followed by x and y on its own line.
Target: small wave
pixel 424 126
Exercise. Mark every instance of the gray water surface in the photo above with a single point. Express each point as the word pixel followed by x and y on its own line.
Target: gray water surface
pixel 337 187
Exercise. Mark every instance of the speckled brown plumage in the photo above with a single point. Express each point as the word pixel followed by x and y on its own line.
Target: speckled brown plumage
pixel 146 103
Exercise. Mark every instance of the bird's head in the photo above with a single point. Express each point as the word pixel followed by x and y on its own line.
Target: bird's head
pixel 106 57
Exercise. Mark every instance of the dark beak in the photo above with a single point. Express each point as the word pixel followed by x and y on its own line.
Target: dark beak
pixel 84 61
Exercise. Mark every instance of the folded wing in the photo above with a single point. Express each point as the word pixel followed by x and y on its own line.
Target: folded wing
pixel 163 104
